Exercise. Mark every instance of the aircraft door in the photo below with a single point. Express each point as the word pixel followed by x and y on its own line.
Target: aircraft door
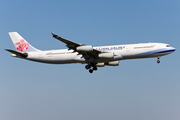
pixel 40 54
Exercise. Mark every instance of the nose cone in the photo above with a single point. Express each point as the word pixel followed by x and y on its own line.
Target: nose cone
pixel 172 49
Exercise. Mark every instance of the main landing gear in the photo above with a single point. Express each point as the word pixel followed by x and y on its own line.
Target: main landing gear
pixel 158 61
pixel 91 67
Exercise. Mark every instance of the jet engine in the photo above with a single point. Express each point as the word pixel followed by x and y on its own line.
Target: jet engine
pixel 84 48
pixel 113 63
pixel 100 65
pixel 106 55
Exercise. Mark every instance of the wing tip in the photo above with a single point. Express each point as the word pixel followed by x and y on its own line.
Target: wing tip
pixel 54 35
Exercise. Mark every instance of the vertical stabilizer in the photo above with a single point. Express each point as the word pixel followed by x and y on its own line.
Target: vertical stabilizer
pixel 21 44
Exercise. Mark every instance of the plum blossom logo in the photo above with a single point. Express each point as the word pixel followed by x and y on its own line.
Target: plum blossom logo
pixel 22 45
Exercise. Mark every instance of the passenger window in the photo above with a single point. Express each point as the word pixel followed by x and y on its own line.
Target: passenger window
pixel 168 46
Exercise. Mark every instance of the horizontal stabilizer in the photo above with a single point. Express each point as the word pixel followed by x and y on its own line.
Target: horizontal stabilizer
pixel 24 55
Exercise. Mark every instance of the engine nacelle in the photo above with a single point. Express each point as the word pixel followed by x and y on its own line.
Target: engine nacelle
pixel 113 63
pixel 100 65
pixel 106 55
pixel 84 48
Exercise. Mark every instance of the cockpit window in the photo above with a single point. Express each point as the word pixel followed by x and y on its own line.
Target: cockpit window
pixel 168 46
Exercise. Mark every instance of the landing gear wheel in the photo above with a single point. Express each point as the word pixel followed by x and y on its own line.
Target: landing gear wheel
pixel 91 71
pixel 95 68
pixel 87 66
pixel 158 61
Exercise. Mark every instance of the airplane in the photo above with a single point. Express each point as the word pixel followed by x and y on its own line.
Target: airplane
pixel 93 57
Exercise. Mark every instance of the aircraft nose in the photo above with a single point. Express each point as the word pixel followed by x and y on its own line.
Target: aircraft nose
pixel 173 49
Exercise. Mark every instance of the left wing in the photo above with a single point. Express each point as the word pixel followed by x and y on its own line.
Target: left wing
pixel 69 43
pixel 85 50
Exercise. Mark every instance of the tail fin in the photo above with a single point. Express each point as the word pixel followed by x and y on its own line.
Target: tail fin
pixel 21 44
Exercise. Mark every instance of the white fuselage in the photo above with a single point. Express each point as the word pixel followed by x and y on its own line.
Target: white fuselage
pixel 129 51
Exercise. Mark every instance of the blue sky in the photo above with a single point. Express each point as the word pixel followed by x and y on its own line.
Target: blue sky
pixel 136 89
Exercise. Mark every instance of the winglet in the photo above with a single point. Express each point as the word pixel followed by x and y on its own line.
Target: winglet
pixel 54 35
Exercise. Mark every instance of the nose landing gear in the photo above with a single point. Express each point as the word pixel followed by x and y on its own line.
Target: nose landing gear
pixel 158 61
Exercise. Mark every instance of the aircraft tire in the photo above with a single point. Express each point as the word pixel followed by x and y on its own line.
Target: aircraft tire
pixel 91 71
pixel 87 67
pixel 95 68
pixel 158 61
